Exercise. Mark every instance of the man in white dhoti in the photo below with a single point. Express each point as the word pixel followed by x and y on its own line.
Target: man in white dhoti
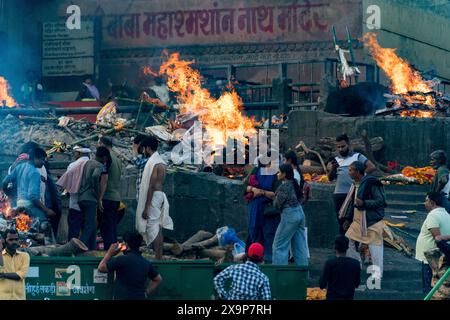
pixel 152 214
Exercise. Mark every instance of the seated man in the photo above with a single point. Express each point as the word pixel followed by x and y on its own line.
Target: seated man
pixel 27 180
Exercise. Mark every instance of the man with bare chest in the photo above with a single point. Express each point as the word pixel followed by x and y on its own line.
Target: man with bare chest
pixel 152 214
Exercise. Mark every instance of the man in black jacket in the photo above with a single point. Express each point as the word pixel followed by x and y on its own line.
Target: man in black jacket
pixel 341 274
pixel 366 219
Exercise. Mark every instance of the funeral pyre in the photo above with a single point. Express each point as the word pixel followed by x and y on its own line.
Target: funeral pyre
pixel 219 121
pixel 31 231
pixel 411 95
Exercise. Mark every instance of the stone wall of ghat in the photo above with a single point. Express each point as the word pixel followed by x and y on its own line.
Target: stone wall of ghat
pixel 408 141
pixel 204 201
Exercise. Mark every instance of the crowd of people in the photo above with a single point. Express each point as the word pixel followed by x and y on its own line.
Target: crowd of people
pixel 277 232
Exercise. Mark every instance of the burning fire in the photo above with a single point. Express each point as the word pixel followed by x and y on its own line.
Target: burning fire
pixel 7 210
pixel 417 114
pixel 222 118
pixel 23 222
pixel 4 95
pixel 149 72
pixel 404 79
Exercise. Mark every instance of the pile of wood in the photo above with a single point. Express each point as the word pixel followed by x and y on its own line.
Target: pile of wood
pixel 395 241
pixel 71 248
pixel 203 244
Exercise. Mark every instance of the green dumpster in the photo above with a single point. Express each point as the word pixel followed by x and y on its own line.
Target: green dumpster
pixel 76 278
pixel 185 280
pixel 67 278
pixel 286 282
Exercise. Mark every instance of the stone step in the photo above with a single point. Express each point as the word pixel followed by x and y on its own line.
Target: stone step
pixel 410 187
pixel 405 205
pixel 389 295
pixel 406 196
pixel 401 212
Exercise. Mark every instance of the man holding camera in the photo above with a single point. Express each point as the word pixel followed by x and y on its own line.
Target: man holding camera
pixel 338 169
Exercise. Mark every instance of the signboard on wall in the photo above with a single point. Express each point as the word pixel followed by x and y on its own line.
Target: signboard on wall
pixel 67 66
pixel 67 52
pixel 205 22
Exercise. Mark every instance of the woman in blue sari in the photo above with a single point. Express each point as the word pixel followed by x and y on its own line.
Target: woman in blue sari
pixel 261 228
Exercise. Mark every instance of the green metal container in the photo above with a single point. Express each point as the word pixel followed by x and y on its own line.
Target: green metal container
pixel 67 278
pixel 55 278
pixel 185 280
pixel 286 282
pixel 76 278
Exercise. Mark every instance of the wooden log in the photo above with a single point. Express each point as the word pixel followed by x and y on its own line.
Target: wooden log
pixel 311 163
pixel 174 248
pixel 206 243
pixel 199 236
pixel 228 256
pixel 369 154
pixel 214 253
pixel 311 170
pixel 329 143
pixel 73 247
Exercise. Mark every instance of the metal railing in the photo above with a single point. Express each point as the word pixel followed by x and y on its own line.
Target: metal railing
pixel 438 285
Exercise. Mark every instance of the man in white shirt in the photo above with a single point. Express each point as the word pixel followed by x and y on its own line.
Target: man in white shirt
pixel 436 227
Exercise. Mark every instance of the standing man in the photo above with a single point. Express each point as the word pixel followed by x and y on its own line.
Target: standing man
pixel 132 270
pixel 70 181
pixel 27 179
pixel 109 200
pixel 436 227
pixel 139 160
pixel 441 181
pixel 366 218
pixel 247 281
pixel 341 274
pixel 152 212
pixel 13 268
pixel 89 194
pixel 338 169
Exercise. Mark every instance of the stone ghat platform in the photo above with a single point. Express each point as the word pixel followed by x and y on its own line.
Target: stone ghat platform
pixel 408 141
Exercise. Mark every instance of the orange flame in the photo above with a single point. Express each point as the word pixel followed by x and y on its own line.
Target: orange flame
pixel 7 211
pixel 149 72
pixel 4 95
pixel 23 222
pixel 222 118
pixel 403 78
pixel 417 114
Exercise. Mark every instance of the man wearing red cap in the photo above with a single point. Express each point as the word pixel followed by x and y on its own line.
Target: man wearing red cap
pixel 247 281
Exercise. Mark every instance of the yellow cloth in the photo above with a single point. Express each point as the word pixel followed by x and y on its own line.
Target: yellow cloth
pixel 19 263
pixel 374 232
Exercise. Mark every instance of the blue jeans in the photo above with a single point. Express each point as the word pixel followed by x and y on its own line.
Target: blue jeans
pixel 290 231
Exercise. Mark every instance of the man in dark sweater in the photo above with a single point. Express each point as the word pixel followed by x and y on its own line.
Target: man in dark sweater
pixel 341 274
